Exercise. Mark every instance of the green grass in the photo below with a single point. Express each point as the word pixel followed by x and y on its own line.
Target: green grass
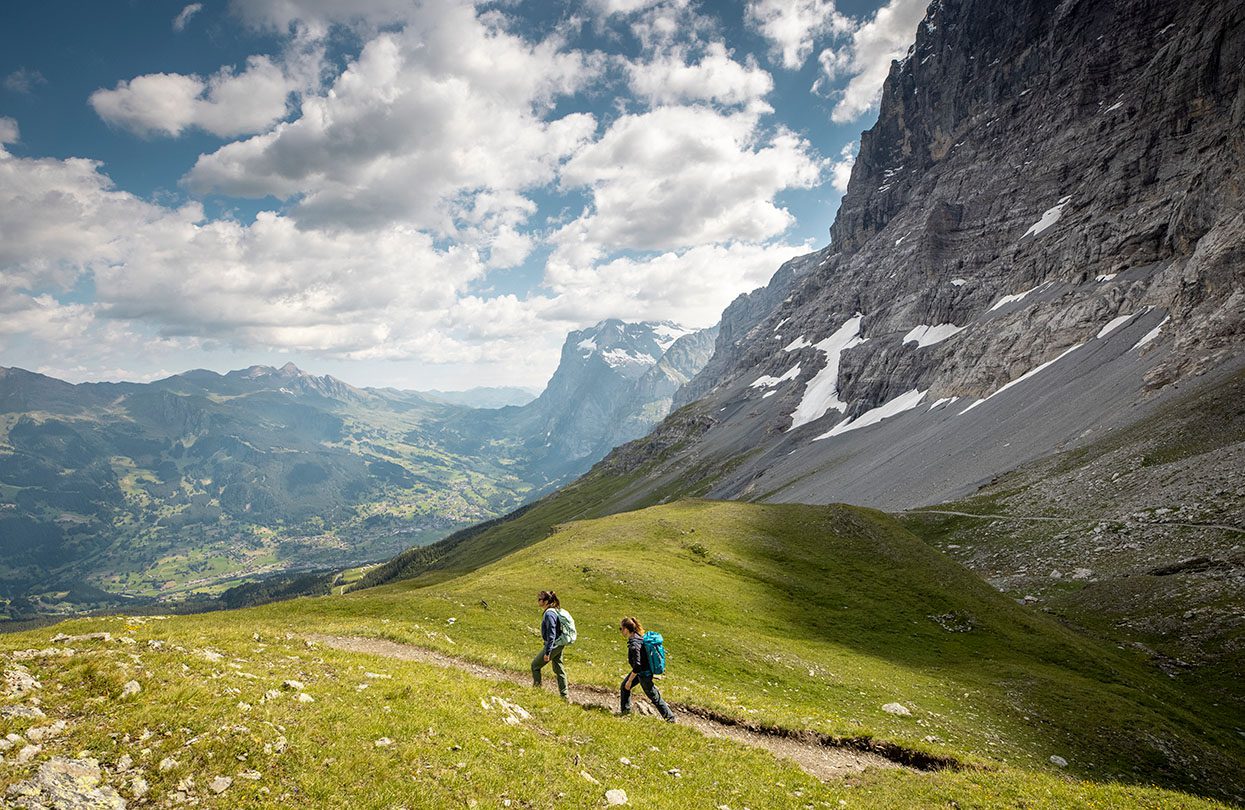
pixel 804 617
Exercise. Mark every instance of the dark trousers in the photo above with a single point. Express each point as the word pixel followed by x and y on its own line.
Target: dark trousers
pixel 650 689
pixel 555 658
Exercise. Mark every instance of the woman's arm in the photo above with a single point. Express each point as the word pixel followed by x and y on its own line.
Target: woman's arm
pixel 549 629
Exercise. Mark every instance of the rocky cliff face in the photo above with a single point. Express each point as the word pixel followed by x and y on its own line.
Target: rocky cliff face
pixel 1043 237
pixel 614 381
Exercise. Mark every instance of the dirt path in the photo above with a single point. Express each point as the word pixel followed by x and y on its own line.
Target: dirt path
pixel 819 756
pixel 1041 519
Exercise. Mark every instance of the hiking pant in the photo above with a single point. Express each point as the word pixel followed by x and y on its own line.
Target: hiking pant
pixel 650 689
pixel 555 658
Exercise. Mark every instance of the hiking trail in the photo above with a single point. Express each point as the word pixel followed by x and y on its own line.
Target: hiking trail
pixel 821 756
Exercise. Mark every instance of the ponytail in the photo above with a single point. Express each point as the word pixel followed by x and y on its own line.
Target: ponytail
pixel 633 624
pixel 549 598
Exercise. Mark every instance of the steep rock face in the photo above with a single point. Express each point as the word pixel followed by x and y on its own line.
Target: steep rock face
pixel 739 322
pixel 614 381
pixel 1046 224
pixel 654 393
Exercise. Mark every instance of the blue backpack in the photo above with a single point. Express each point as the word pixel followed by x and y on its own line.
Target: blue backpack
pixel 655 651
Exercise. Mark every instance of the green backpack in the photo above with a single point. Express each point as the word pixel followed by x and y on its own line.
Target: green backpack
pixel 566 629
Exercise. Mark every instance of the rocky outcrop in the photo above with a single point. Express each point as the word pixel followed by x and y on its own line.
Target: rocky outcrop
pixel 614 381
pixel 1042 238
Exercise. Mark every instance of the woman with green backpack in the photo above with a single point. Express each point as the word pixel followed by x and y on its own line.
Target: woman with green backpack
pixel 647 657
pixel 557 629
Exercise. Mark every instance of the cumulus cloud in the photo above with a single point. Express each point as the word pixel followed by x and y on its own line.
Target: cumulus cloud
pixel 9 132
pixel 674 177
pixel 669 79
pixel 690 286
pixel 841 169
pixel 228 103
pixel 183 17
pixel 264 283
pixel 865 59
pixel 451 105
pixel 23 80
pixel 792 26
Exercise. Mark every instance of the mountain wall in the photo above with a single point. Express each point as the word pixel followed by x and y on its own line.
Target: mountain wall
pixel 1043 238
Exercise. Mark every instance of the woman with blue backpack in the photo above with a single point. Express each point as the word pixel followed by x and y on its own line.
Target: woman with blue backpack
pixel 557 629
pixel 647 657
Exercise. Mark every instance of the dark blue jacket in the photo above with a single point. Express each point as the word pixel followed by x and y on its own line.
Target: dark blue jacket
pixel 550 627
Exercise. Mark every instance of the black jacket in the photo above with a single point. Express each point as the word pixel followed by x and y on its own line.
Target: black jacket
pixel 637 656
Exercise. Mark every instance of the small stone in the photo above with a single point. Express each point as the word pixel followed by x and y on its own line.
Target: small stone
pixel 1058 761
pixel 383 742
pixel 131 688
pixel 271 694
pixel 67 783
pixel 124 763
pixel 24 712
pixel 253 776
pixel 675 772
pixel 139 787
pixel 589 777
pixel 303 697
pixel 28 753
pixel 43 733
pixel 166 764
pixel 624 760
pixel 897 709
pixel 220 784
pixel 615 797
pixel 293 686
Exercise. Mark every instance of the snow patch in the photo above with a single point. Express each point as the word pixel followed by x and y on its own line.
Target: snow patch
pixel 780 323
pixel 766 381
pixel 1020 296
pixel 1049 218
pixel 1113 324
pixel 798 343
pixel 616 358
pixel 958 282
pixel 903 402
pixel 929 335
pixel 1031 373
pixel 1106 277
pixel 822 392
pixel 665 334
pixel 768 394
pixel 588 345
pixel 1114 107
pixel 1151 335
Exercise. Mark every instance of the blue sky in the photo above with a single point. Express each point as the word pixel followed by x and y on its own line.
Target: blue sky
pixel 419 195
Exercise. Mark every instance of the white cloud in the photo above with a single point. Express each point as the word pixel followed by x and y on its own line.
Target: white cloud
pixel 226 104
pixel 690 286
pixel 23 80
pixel 267 283
pixel 674 177
pixel 183 17
pixel 841 169
pixel 866 58
pixel 423 120
pixel 318 15
pixel 792 26
pixel 668 79
pixel 9 132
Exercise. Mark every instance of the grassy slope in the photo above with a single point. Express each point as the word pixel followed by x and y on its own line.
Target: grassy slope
pixel 811 617
pixel 1184 460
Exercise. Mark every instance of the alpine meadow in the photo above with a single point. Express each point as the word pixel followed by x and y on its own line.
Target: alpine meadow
pixel 649 403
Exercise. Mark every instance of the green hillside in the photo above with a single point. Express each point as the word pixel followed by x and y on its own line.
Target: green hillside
pixel 807 618
pixel 197 482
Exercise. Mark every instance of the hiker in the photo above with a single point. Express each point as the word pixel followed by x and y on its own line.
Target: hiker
pixel 642 648
pixel 557 629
